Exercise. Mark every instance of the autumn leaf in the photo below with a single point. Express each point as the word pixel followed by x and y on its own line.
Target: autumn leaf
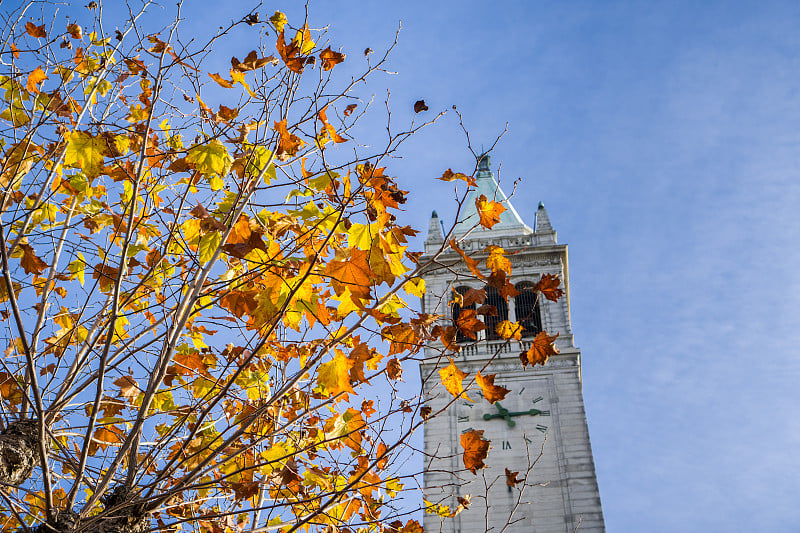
pixel 472 264
pixel 541 348
pixel 334 376
pixel 278 21
pixel 30 262
pixel 393 369
pixel 449 175
pixel 419 106
pixel 228 84
pixel 469 324
pixel 488 211
pixel 86 152
pixel 75 31
pixel 290 54
pixel 476 448
pixel 349 109
pixel 328 128
pixel 330 58
pixel 288 144
pixel 549 287
pixel 497 260
pixel 353 274
pixel 35 31
pixel 104 437
pixel 511 478
pixel 452 378
pixel 509 330
pixel 252 62
pixel 34 79
pixel 211 158
pixel 492 393
pixel 128 388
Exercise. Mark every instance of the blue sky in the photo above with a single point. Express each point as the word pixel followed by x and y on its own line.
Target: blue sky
pixel 663 139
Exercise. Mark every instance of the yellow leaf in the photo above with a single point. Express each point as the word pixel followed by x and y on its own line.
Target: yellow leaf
pixel 507 330
pixel 452 379
pixel 210 158
pixel 208 245
pixel 278 21
pixel 334 376
pixel 488 211
pixel 86 152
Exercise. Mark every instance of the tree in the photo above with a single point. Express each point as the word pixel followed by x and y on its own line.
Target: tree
pixel 203 276
pixel 204 281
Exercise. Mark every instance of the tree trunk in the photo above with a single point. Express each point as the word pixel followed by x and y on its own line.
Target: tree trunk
pixel 19 453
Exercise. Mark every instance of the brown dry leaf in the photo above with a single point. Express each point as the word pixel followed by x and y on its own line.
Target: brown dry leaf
pixel 492 393
pixel 469 324
pixel 474 296
pixel 488 211
pixel 449 175
pixel 476 448
pixel 35 31
pixel 393 369
pixel 452 379
pixel 252 62
pixel 541 348
pixel 549 287
pixel 511 478
pixel 419 106
pixel 30 262
pixel 330 58
pixel 290 53
pixel 127 388
pixel 349 109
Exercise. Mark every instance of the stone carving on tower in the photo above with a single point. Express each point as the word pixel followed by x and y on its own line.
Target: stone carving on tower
pixel 539 429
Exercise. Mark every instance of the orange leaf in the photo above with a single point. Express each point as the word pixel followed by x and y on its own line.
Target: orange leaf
pixel 469 324
pixel 330 58
pixel 332 132
pixel 35 31
pixel 29 262
pixel 15 50
pixel 492 393
pixel 488 211
pixel 353 274
pixel 290 53
pixel 476 448
pixel 222 81
pixel 549 287
pixel 541 348
pixel 449 175
pixel 452 379
pixel 511 478
pixel 289 144
pixel 75 31
pixel 334 376
pixel 35 78
pixel 471 263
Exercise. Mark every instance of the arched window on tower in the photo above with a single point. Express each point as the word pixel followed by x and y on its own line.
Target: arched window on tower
pixel 529 315
pixel 493 298
pixel 456 310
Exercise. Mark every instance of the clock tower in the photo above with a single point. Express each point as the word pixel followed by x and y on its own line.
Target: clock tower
pixel 539 429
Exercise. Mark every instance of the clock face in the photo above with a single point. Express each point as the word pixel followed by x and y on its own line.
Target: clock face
pixel 521 414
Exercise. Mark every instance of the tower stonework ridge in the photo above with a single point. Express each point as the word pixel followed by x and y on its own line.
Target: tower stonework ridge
pixel 539 429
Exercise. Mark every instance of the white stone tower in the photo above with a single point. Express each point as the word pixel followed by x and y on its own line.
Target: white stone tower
pixel 561 492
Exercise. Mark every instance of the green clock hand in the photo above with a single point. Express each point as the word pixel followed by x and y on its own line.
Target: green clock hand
pixel 506 414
